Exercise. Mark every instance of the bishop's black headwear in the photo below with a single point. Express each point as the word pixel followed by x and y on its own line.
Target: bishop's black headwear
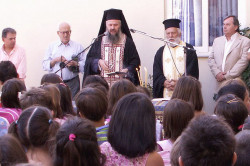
pixel 114 14
pixel 171 23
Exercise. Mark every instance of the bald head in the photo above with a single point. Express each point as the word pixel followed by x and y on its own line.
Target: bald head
pixel 64 32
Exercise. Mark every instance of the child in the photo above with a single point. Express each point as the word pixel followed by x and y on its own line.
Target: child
pixel 207 141
pixel 36 130
pixel 11 151
pixel 177 114
pixel 131 135
pixel 76 144
pixel 92 104
pixel 10 99
pixel 233 110
pixel 188 89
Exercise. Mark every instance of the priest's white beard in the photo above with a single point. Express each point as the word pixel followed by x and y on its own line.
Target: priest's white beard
pixel 114 39
pixel 174 40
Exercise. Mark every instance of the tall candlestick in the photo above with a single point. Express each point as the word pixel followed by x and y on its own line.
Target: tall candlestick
pixel 146 77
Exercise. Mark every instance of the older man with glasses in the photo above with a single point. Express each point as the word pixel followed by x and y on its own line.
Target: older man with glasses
pixel 65 58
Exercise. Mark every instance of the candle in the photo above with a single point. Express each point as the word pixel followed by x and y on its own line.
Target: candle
pixel 146 77
pixel 138 74
pixel 141 83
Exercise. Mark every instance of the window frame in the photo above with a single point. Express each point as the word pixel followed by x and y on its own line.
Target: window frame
pixel 205 49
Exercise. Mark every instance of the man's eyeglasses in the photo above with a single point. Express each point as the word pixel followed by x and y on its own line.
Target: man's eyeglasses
pixel 65 32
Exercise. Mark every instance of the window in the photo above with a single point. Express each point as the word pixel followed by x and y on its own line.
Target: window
pixel 201 20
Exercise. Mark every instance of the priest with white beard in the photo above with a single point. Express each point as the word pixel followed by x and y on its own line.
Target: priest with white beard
pixel 169 63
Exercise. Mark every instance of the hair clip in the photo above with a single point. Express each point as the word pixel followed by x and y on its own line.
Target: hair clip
pixel 72 137
pixel 50 121
pixel 234 100
pixel 240 127
pixel 16 122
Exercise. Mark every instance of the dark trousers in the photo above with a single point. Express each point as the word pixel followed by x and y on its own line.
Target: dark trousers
pixel 74 85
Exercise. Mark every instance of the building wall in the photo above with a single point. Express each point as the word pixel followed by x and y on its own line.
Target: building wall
pixel 36 23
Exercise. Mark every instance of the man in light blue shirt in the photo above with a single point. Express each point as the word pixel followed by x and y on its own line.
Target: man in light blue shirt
pixel 65 52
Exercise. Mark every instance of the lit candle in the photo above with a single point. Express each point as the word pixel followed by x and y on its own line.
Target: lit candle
pixel 146 76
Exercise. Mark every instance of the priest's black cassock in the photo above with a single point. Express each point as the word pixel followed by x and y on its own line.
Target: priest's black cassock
pixel 158 75
pixel 131 59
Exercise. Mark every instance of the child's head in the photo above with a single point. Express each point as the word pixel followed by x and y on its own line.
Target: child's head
pixel 65 101
pixel 56 97
pixel 92 104
pixel 233 110
pixel 7 71
pixel 132 126
pixel 236 89
pixel 51 78
pixel 76 144
pixel 96 79
pixel 97 86
pixel 242 148
pixel 117 91
pixel 177 114
pixel 10 91
pixel 36 96
pixel 207 141
pixel 35 127
pixel 189 89
pixel 144 90
pixel 11 151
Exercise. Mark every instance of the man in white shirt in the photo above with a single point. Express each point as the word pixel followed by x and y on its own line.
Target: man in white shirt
pixel 65 52
pixel 229 56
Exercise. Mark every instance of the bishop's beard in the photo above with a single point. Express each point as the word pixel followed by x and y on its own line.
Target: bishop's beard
pixel 114 39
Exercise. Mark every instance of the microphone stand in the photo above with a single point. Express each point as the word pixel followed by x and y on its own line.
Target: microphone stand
pixel 168 42
pixel 95 39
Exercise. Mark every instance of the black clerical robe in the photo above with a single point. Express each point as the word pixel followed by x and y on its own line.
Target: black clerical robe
pixel 131 60
pixel 158 75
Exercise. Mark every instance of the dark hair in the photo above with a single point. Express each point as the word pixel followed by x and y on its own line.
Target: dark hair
pixel 51 78
pixel 242 148
pixel 96 79
pixel 36 96
pixel 144 90
pixel 246 125
pixel 188 89
pixel 35 127
pixel 117 91
pixel 177 114
pixel 10 89
pixel 233 110
pixel 132 126
pixel 235 21
pixel 11 151
pixel 82 149
pixel 92 103
pixel 236 89
pixel 175 153
pixel 65 102
pixel 8 30
pixel 207 141
pixel 56 97
pixel 7 71
pixel 97 86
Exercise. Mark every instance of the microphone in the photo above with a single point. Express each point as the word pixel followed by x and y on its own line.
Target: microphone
pixel 136 31
pixel 101 35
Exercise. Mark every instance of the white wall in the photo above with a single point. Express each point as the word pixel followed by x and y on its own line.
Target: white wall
pixel 36 23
